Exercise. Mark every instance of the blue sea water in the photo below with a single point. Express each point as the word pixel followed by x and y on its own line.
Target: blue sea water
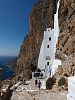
pixel 6 70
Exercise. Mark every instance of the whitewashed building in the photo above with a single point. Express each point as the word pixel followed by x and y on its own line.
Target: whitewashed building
pixel 71 88
pixel 46 61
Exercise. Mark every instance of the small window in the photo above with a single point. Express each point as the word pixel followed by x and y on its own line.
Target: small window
pixel 47 63
pixel 48 58
pixel 47 46
pixel 49 38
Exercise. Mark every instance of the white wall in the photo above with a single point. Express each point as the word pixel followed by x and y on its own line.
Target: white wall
pixel 71 88
pixel 44 51
pixel 49 51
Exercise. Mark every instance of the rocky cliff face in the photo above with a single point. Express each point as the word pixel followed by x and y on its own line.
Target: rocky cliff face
pixel 66 42
pixel 67 28
pixel 41 17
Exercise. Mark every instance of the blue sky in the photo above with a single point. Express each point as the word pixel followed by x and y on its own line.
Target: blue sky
pixel 14 24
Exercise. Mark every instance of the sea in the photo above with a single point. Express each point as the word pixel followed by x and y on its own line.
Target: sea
pixel 7 72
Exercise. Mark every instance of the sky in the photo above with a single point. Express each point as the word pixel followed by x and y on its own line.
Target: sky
pixel 14 25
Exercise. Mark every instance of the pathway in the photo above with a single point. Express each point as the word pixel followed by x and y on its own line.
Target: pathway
pixel 38 95
pixel 31 92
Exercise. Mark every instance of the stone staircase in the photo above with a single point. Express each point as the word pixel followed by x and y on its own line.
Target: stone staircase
pixel 32 85
pixel 35 94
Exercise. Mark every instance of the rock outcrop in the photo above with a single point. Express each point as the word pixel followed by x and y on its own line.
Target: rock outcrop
pixel 67 28
pixel 66 42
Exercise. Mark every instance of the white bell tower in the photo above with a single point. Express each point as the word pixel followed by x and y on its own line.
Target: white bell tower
pixel 46 60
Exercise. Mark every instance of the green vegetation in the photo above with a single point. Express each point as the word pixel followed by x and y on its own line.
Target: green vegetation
pixel 33 67
pixel 62 81
pixel 65 11
pixel 50 82
pixel 38 70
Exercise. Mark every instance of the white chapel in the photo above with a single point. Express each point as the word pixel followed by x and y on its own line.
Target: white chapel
pixel 46 61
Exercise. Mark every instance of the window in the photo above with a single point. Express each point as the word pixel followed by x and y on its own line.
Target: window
pixel 49 38
pixel 48 58
pixel 47 46
pixel 47 63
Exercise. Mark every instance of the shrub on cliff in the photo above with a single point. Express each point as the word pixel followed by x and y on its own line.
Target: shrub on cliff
pixel 65 11
pixel 62 81
pixel 38 70
pixel 50 82
pixel 33 67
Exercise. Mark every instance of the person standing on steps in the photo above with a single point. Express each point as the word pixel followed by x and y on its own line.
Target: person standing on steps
pixel 36 82
pixel 39 84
